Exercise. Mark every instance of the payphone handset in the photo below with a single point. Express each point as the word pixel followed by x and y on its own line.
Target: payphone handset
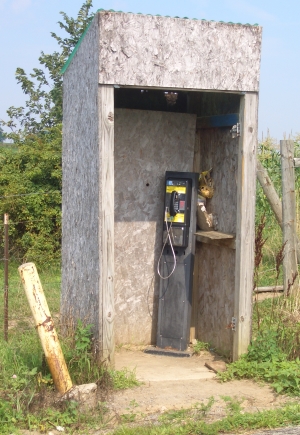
pixel 174 203
pixel 177 211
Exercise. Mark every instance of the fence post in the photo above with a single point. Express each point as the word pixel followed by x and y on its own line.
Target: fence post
pixel 273 198
pixel 6 277
pixel 290 269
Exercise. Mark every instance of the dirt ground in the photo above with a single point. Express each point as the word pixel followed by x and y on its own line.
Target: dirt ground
pixel 172 383
pixel 175 383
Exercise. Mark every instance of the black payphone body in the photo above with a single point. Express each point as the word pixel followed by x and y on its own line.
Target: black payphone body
pixel 176 263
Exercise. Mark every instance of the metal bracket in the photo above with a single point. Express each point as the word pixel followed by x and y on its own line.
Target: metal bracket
pixel 236 130
pixel 233 324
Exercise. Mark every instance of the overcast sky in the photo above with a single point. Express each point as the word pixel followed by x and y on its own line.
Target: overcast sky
pixel 25 27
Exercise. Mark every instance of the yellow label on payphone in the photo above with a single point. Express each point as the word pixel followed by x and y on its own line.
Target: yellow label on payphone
pixel 179 217
pixel 179 189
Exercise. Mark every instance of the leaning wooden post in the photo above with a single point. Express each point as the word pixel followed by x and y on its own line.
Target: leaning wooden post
pixel 269 191
pixel 290 269
pixel 6 253
pixel 44 324
pixel 273 198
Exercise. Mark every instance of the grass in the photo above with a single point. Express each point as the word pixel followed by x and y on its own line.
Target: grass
pixel 26 387
pixel 273 357
pixel 199 347
pixel 192 421
pixel 27 396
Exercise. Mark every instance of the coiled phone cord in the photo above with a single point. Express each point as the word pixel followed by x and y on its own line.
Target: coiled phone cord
pixel 165 242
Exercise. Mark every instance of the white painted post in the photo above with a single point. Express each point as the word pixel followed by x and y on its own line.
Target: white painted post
pixel 290 269
pixel 45 327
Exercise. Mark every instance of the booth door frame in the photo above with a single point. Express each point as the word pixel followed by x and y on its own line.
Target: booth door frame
pixel 246 181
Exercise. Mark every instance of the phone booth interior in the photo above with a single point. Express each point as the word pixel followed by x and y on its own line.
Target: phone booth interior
pixel 152 137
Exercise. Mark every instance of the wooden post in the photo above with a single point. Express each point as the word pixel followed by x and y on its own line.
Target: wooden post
pixel 245 232
pixel 194 313
pixel 45 327
pixel 290 269
pixel 6 253
pixel 270 192
pixel 106 233
pixel 273 198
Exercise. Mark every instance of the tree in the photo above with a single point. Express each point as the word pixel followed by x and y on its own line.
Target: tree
pixel 30 191
pixel 30 171
pixel 44 85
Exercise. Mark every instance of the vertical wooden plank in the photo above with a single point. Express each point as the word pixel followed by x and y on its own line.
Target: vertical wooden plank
pixel 290 270
pixel 194 313
pixel 106 222
pixel 245 234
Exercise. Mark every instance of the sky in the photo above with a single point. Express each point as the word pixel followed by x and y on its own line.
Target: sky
pixel 25 27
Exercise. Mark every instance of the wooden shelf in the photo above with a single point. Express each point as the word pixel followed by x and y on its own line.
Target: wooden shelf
pixel 216 238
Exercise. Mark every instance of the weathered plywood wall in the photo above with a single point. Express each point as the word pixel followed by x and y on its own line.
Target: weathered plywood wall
pixel 80 221
pixel 219 151
pixel 216 264
pixel 146 145
pixel 215 302
pixel 142 50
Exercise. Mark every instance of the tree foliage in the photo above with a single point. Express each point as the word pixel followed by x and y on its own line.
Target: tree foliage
pixel 30 191
pixel 43 86
pixel 30 167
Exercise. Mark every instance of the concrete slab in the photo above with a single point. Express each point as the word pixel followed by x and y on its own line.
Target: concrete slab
pixel 157 368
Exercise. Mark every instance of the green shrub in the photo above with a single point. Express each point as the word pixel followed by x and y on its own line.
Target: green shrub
pixel 30 191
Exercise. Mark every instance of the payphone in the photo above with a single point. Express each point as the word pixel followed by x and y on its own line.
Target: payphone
pixel 176 262
pixel 177 211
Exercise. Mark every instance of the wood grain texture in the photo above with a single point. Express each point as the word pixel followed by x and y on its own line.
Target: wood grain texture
pixel 290 269
pixel 216 238
pixel 245 232
pixel 106 221
pixel 215 298
pixel 215 235
pixel 141 50
pixel 80 197
pixel 220 152
pixel 194 311
pixel 147 144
